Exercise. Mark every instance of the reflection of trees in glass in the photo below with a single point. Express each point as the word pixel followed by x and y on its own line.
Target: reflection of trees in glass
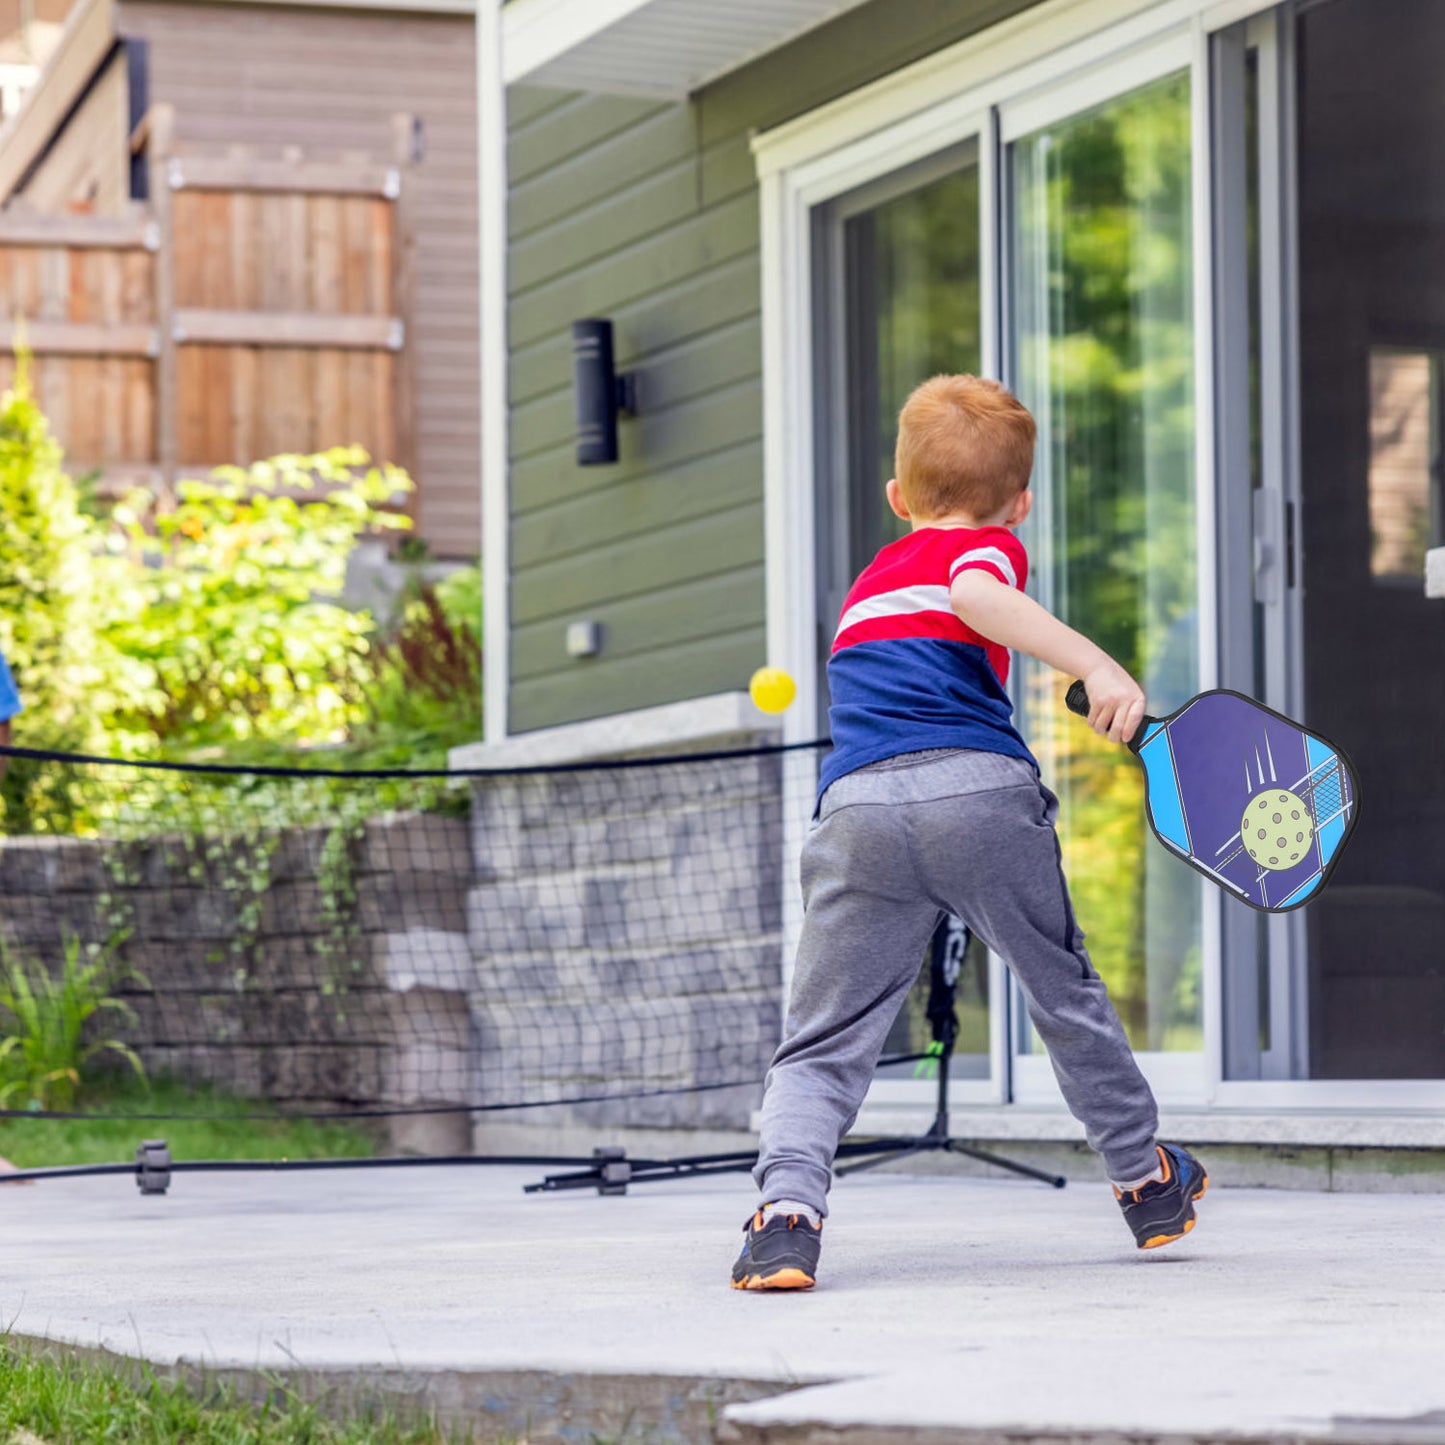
pixel 913 264
pixel 913 297
pixel 1105 303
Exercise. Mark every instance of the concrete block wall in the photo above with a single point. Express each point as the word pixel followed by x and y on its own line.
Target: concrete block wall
pixel 626 926
pixel 278 1001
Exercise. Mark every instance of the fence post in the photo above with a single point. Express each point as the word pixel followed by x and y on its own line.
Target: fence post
pixel 159 144
pixel 403 273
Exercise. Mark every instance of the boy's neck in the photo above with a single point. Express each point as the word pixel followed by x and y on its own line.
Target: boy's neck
pixel 958 519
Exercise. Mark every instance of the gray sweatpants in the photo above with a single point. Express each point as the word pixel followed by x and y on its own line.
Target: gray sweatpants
pixel 893 848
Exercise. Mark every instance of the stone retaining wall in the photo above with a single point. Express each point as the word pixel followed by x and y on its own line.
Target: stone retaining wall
pixel 627 926
pixel 244 983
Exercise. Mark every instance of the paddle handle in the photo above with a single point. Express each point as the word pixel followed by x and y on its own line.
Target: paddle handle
pixel 1077 700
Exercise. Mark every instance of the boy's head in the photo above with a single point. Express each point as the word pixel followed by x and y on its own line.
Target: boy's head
pixel 965 447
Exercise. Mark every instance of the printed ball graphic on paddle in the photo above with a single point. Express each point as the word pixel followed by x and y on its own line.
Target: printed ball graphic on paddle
pixel 1277 829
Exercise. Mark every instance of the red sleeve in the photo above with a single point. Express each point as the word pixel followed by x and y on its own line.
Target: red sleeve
pixel 994 550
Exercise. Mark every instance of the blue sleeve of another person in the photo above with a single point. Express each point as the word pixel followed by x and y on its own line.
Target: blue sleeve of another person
pixel 9 698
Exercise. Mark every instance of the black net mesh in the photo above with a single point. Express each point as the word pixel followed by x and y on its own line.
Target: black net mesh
pixel 604 940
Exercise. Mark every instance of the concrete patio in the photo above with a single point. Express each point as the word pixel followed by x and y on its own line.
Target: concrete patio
pixel 948 1307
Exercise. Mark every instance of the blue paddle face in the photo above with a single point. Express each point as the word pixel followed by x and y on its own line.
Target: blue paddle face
pixel 1250 799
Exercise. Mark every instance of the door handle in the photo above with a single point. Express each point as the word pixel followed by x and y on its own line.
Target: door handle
pixel 1267 509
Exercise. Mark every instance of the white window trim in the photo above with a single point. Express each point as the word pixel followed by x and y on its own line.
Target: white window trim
pixel 1049 60
pixel 492 220
pixel 1032 51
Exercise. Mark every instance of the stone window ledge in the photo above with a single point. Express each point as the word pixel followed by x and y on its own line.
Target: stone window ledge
pixel 723 721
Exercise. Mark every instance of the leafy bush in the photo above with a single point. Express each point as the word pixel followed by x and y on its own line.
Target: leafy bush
pixel 240 624
pixel 424 692
pixel 211 625
pixel 58 586
pixel 49 1041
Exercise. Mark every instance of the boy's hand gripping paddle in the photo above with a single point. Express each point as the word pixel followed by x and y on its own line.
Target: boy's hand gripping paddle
pixel 1250 799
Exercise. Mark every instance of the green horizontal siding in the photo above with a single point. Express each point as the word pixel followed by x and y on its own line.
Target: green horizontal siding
pixel 693 370
pixel 647 213
pixel 717 483
pixel 658 560
pixel 596 285
pixel 696 611
pixel 668 675
pixel 651 446
pixel 691 308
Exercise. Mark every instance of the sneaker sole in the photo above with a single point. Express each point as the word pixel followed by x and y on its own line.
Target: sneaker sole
pixel 780 1279
pixel 1155 1241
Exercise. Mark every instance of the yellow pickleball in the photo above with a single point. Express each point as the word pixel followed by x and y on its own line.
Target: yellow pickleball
pixel 772 689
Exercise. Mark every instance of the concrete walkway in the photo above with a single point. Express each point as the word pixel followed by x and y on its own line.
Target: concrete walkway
pixel 961 1307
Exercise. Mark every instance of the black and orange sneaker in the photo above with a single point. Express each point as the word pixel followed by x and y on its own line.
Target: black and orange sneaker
pixel 779 1252
pixel 1162 1210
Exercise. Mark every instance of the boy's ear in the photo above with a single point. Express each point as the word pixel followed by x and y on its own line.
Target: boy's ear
pixel 1023 504
pixel 895 499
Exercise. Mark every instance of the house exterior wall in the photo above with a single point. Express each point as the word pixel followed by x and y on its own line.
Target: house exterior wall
pixel 648 214
pixel 329 81
pixel 89 164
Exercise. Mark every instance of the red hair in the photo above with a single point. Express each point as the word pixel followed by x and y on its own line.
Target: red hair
pixel 965 444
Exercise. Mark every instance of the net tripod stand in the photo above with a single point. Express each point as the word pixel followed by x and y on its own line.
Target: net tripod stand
pixel 614 1171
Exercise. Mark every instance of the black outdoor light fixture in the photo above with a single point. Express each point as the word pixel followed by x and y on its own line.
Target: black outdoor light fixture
pixel 600 393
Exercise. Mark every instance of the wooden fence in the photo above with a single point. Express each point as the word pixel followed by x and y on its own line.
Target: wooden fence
pixel 252 306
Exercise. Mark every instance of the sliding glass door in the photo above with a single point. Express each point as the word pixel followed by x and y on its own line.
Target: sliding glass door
pixel 898 297
pixel 1102 348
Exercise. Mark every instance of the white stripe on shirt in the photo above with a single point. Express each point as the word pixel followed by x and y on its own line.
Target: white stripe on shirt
pixel 895 604
pixel 995 555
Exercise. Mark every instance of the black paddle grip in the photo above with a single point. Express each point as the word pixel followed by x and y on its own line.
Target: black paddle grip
pixel 1077 700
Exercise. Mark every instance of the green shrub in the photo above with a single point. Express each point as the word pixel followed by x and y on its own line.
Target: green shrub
pixel 59 586
pixel 49 1042
pixel 210 625
pixel 424 692
pixel 240 624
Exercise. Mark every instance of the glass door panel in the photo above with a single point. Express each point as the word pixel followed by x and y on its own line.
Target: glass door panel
pixel 897 301
pixel 1102 351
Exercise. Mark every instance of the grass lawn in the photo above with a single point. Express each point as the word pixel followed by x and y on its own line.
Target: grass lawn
pixel 68 1402
pixel 38 1143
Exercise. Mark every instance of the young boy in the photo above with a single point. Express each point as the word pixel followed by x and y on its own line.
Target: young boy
pixel 930 803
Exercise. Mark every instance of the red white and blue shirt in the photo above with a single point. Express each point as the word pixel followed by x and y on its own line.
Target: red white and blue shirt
pixel 907 674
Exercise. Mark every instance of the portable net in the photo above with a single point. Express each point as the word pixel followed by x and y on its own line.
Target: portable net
pixel 606 940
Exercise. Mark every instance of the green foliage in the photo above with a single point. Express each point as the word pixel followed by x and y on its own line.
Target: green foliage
pixel 49 1044
pixel 211 625
pixel 58 585
pixel 225 1127
pixel 66 1401
pixel 1106 349
pixel 424 691
pixel 239 624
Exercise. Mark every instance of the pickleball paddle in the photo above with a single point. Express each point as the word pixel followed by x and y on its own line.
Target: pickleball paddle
pixel 1255 802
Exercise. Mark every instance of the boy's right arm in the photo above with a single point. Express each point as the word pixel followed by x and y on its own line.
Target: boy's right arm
pixel 1013 619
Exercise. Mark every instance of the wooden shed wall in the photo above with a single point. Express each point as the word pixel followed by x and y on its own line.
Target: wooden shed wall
pixel 648 214
pixel 329 81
